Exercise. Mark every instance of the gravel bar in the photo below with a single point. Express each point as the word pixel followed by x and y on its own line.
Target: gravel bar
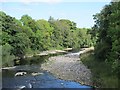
pixel 68 67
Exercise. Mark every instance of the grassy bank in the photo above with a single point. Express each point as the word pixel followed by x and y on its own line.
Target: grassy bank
pixel 101 71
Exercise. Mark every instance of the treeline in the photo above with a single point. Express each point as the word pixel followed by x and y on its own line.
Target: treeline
pixel 104 61
pixel 28 36
pixel 107 30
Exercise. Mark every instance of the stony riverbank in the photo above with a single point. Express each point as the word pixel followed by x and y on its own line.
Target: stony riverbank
pixel 68 67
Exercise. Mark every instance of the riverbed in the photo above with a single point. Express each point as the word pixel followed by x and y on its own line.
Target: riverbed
pixel 38 77
pixel 69 67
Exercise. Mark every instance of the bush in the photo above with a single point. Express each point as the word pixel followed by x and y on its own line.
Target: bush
pixel 7 57
pixel 102 75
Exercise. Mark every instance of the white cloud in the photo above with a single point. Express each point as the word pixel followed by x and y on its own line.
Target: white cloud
pixel 30 1
pixel 27 2
pixel 17 9
pixel 45 1
pixel 55 1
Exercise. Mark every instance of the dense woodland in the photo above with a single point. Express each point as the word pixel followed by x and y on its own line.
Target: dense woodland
pixel 104 62
pixel 28 36
pixel 107 30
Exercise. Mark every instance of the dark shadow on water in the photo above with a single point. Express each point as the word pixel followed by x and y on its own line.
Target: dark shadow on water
pixel 35 60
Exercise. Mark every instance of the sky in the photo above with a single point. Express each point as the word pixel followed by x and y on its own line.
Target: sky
pixel 81 12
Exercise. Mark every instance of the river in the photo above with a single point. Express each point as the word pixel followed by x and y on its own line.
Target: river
pixel 35 77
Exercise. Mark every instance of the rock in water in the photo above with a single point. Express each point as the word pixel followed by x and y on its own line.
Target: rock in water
pixel 20 73
pixel 36 73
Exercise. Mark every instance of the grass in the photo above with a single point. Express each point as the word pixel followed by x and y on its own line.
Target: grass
pixel 101 71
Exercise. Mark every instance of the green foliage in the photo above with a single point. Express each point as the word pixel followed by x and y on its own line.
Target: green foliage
pixel 0 56
pixel 27 36
pixel 44 33
pixel 7 56
pixel 5 38
pixel 101 71
pixel 107 28
pixel 28 21
pixel 20 43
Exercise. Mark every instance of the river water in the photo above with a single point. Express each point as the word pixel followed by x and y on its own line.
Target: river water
pixel 35 77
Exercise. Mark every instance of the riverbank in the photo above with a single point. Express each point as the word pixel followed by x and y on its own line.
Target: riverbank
pixel 102 76
pixel 69 67
pixel 43 53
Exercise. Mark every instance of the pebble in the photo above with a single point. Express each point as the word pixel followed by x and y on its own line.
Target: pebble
pixel 68 68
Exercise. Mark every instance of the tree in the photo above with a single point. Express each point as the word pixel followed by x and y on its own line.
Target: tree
pixel 7 56
pixel 108 29
pixel 28 35
pixel 28 21
pixel 20 43
pixel 8 24
pixel 44 33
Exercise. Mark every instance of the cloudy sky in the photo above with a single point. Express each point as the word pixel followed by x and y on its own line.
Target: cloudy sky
pixel 79 11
